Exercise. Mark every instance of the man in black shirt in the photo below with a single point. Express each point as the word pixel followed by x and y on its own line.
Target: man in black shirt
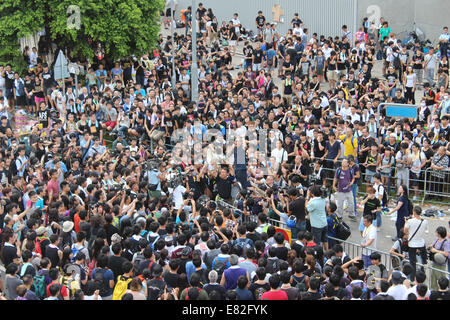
pixel 296 20
pixel 47 76
pixel 258 58
pixel 398 97
pixel 260 22
pixel 9 85
pixel 224 182
pixel 116 260
pixel 11 251
pixel 297 208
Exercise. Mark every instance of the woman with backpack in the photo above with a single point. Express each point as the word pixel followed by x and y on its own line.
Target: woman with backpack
pixel 403 209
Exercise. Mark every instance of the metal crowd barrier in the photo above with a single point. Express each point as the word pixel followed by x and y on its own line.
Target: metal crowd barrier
pixel 437 183
pixel 354 250
pixel 428 184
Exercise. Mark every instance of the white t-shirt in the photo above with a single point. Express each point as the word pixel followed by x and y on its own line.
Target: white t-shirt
pixel 280 155
pixel 416 161
pixel 355 117
pixel 369 233
pixel 327 52
pixel 298 31
pixel 410 80
pixel 345 112
pixel 430 61
pixel 178 196
pixel 235 22
pixel 418 241
pixel 399 292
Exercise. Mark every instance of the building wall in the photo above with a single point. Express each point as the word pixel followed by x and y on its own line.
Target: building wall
pixel 430 15
pixel 327 16
pixel 322 16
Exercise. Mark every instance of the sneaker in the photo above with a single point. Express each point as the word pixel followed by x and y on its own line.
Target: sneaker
pixel 394 239
pixel 353 218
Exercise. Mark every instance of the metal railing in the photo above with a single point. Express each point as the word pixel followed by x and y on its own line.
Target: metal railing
pixel 355 250
pixel 436 183
pixel 428 185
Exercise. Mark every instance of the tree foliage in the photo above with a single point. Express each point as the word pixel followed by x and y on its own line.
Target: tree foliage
pixel 121 27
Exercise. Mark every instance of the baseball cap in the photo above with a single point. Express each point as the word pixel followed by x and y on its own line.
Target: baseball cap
pixel 40 231
pixel 397 277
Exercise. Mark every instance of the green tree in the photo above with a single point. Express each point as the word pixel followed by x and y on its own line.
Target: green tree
pixel 121 27
pixel 18 18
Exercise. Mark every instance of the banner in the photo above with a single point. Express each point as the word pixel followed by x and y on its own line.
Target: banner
pixel 286 233
pixel 400 110
pixel 23 123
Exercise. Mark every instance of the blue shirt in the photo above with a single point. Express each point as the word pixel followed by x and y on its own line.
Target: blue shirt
pixel 270 54
pixel 243 294
pixel 403 211
pixel 331 221
pixel 190 269
pixel 317 212
pixel 107 276
pixel 51 165
pixel 153 179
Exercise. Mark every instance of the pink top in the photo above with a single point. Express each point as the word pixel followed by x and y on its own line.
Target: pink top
pixel 54 186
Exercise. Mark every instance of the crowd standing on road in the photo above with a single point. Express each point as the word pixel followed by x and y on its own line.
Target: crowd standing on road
pixel 127 189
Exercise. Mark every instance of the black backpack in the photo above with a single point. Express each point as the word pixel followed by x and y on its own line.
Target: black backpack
pixel 220 266
pixel 100 282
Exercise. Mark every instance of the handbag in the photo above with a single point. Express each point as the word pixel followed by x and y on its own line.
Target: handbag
pixel 152 187
pixel 431 254
pixel 343 231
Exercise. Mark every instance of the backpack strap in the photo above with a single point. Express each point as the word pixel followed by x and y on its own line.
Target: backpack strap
pixel 400 246
pixel 421 221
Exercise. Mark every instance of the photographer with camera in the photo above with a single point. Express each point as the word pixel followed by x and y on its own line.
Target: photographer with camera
pixel 439 253
pixel 296 207
pixel 155 175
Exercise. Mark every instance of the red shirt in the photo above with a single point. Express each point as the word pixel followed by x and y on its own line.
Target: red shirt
pixel 274 295
pixel 53 185
pixel 64 292
pixel 76 220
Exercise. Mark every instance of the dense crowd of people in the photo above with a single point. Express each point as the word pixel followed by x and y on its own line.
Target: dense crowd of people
pixel 128 189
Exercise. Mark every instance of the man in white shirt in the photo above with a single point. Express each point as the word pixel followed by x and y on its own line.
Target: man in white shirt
pixel 33 56
pixel 354 115
pixel 178 196
pixel 237 26
pixel 398 290
pixel 415 228
pixel 345 112
pixel 298 31
pixel 369 240
pixel 21 162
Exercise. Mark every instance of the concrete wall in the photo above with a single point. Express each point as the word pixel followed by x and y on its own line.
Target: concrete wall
pixel 322 16
pixel 430 15
pixel 327 16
